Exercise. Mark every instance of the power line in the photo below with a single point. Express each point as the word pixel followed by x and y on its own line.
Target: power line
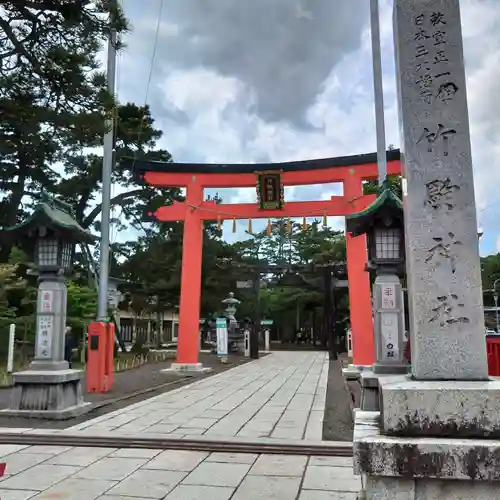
pixel 141 125
pixel 150 79
pixel 146 97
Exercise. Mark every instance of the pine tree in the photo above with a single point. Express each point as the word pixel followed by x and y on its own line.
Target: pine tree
pixel 8 282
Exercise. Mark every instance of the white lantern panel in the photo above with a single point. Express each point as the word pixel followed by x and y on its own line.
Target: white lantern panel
pixel 387 243
pixel 67 250
pixel 47 250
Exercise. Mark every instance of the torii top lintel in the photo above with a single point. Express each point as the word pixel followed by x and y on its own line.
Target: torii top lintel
pixel 295 173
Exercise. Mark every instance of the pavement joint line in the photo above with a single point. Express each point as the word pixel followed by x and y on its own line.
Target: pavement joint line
pixel 196 382
pixel 140 392
pixel 303 477
pixel 286 406
pixel 320 448
pixel 304 432
pixel 270 397
pixel 238 387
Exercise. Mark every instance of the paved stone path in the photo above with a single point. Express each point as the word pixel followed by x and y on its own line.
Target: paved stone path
pixel 53 472
pixel 280 396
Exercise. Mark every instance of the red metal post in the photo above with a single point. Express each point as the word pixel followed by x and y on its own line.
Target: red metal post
pixel 96 357
pixel 493 353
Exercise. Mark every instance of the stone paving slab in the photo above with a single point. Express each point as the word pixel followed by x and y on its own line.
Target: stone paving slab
pixel 281 396
pixel 111 474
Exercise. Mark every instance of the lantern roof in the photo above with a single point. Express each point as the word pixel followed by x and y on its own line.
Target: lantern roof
pixel 56 215
pixel 292 280
pixel 386 206
pixel 230 299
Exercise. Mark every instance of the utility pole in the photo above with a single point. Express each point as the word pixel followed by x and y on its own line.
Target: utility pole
pixel 378 91
pixel 107 169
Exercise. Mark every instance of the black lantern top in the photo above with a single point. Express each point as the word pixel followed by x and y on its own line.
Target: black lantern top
pixel 49 234
pixel 383 224
pixel 292 280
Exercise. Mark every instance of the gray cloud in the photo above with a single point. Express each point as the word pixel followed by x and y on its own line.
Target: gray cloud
pixel 207 116
pixel 282 50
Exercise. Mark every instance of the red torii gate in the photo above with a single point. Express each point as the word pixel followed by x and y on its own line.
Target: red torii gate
pixel 350 170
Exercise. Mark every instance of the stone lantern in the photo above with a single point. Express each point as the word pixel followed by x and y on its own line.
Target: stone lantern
pixel 382 222
pixel 234 335
pixel 49 389
pixel 231 304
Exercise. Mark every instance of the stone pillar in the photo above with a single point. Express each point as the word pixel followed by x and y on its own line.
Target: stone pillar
pixel 50 324
pixel 389 325
pixel 148 332
pixel 442 258
pixel 48 389
pixel 246 335
pixel 449 399
pixel 267 343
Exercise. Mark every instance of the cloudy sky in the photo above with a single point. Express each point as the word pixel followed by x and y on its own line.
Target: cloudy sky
pixel 278 80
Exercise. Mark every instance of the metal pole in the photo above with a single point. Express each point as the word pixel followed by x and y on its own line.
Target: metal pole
pixel 107 168
pixel 378 91
pixel 255 331
pixel 10 354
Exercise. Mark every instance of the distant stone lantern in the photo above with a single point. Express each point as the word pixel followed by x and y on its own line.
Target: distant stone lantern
pixel 231 302
pixel 48 388
pixel 382 222
pixel 233 335
pixel 292 280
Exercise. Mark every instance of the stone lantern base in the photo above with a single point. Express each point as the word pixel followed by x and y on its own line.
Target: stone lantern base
pixel 53 395
pixel 187 369
pixel 412 468
pixel 430 440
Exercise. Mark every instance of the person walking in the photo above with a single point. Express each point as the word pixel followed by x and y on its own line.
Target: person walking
pixel 68 345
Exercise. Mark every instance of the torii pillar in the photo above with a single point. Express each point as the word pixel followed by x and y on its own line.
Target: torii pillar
pixel 360 300
pixel 188 344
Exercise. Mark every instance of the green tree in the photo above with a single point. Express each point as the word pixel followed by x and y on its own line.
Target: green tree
pixel 300 248
pixel 53 47
pixel 53 98
pixel 81 305
pixel 9 282
pixel 490 272
pixel 223 266
pixel 136 137
pixel 318 244
pixel 371 187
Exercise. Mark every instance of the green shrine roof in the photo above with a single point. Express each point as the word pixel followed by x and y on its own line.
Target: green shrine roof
pixel 55 214
pixel 386 203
